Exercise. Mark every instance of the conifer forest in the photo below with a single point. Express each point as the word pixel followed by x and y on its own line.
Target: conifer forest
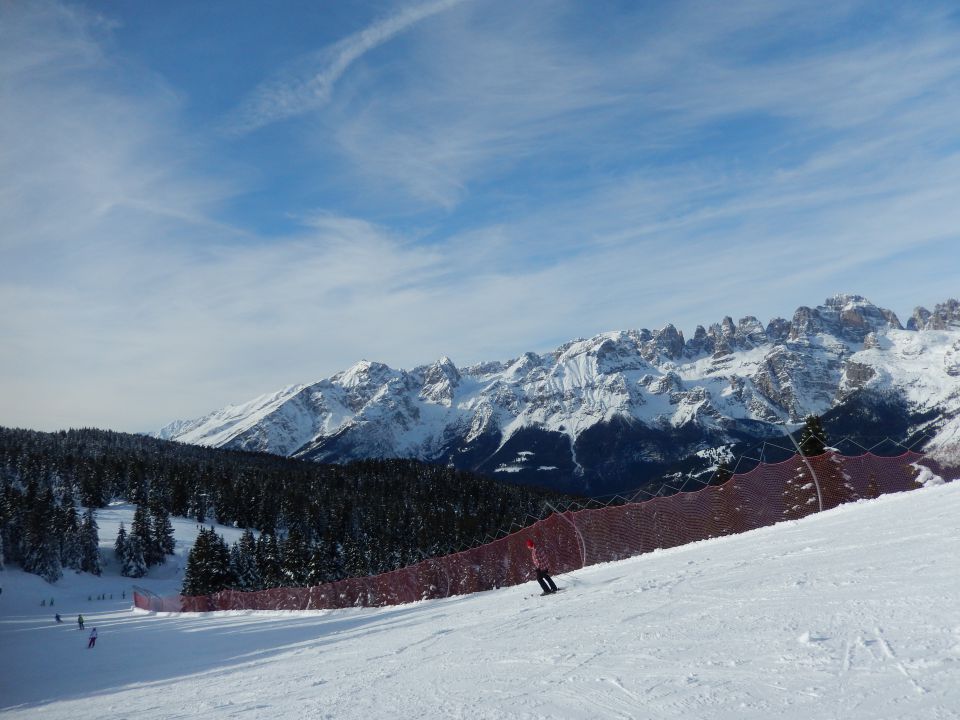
pixel 306 523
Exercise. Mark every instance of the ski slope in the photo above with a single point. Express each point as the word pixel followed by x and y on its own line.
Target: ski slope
pixel 854 613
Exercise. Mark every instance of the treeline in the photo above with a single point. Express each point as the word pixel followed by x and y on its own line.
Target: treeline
pixel 42 531
pixel 339 520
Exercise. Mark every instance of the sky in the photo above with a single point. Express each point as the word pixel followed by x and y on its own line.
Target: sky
pixel 200 203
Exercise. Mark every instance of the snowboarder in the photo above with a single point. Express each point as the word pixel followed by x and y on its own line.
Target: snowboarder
pixel 57 617
pixel 80 621
pixel 543 572
pixel 93 639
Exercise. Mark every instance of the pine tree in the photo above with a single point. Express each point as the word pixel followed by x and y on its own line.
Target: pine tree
pixel 40 548
pixel 813 440
pixel 164 541
pixel 319 568
pixel 69 530
pixel 243 562
pixel 90 544
pixel 194 577
pixel 132 564
pixel 120 545
pixel 268 561
pixel 354 560
pixel 220 575
pixel 142 529
pixel 208 565
pixel 295 557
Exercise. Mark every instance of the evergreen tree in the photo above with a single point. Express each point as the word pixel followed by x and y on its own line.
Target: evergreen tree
pixel 295 558
pixel 323 566
pixel 243 562
pixel 132 564
pixel 40 548
pixel 354 560
pixel 69 531
pixel 268 561
pixel 194 577
pixel 208 565
pixel 813 440
pixel 142 529
pixel 120 545
pixel 164 541
pixel 90 544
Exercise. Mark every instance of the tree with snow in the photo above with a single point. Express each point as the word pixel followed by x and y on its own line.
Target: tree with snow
pixel 208 565
pixel 294 559
pixel 90 544
pixel 268 561
pixel 142 529
pixel 813 439
pixel 39 546
pixel 322 566
pixel 68 528
pixel 243 562
pixel 163 538
pixel 133 564
pixel 120 544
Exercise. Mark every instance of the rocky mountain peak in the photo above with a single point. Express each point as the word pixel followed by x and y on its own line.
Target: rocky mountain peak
pixel 440 381
pixel 778 330
pixel 362 373
pixel 851 317
pixel 600 408
pixel 669 340
pixel 700 343
pixel 945 316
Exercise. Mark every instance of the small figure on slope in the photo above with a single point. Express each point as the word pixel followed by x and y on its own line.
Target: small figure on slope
pixel 543 572
pixel 80 621
pixel 93 639
pixel 58 618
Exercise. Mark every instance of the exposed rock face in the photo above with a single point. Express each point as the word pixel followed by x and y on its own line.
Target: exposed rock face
pixel 945 316
pixel 603 413
pixel 440 382
pixel 850 317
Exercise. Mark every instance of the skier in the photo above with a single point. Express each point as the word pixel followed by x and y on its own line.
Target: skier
pixel 58 618
pixel 80 621
pixel 543 572
pixel 93 639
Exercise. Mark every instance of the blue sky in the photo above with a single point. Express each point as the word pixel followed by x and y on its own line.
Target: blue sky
pixel 202 202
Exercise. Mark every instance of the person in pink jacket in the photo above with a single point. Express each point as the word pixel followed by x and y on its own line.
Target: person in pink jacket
pixel 543 571
pixel 93 639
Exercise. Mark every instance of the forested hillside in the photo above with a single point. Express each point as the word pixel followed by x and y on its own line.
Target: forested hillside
pixel 315 523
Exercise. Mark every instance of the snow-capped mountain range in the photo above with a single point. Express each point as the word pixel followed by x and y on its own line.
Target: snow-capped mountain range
pixel 607 413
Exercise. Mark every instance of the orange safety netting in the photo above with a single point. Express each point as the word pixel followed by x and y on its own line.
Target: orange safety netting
pixel 766 495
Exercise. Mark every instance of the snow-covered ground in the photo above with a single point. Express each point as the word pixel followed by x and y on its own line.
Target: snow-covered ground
pixel 854 613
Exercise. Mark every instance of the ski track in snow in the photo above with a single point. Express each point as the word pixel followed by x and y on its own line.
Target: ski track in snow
pixel 853 613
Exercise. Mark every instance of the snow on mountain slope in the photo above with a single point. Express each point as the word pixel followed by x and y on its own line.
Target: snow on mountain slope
pixel 848 614
pixel 652 394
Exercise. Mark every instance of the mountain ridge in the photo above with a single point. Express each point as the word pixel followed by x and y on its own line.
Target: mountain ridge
pixel 616 408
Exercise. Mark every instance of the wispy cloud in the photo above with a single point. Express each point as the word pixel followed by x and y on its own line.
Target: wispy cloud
pixel 284 97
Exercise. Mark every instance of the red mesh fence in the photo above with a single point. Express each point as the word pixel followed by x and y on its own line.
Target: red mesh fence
pixel 766 495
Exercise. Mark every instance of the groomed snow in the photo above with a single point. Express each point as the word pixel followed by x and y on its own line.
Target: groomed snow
pixel 854 613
